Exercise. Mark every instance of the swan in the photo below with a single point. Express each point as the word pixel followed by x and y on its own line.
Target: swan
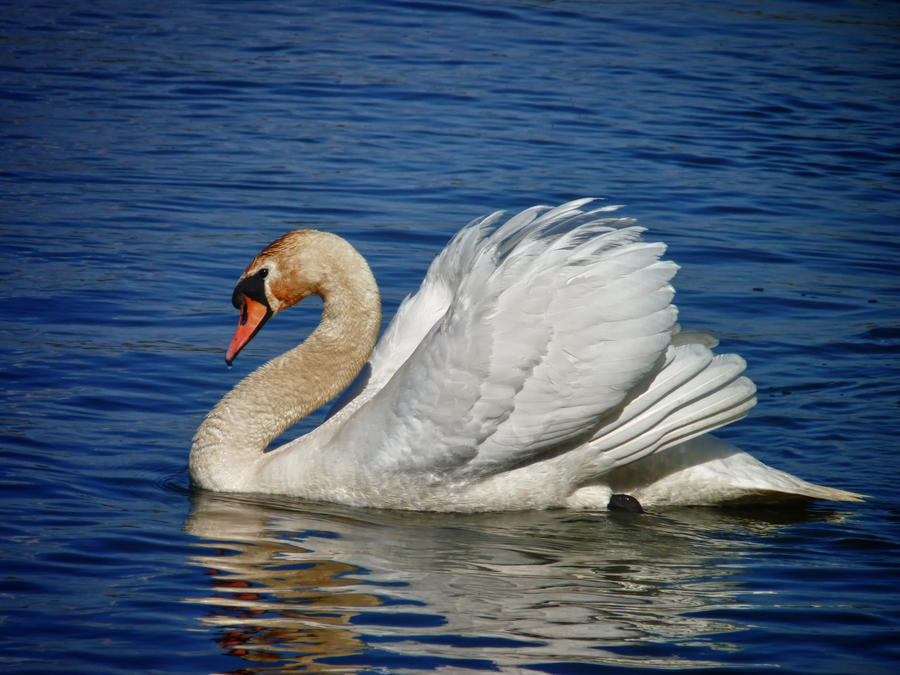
pixel 539 365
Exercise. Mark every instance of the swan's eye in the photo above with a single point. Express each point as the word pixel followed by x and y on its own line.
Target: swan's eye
pixel 263 273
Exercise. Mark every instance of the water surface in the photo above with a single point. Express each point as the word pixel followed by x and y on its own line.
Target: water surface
pixel 149 151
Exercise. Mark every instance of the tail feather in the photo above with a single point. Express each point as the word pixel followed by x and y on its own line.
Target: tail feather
pixel 708 470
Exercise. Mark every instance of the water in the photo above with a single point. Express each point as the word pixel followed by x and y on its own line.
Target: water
pixel 148 151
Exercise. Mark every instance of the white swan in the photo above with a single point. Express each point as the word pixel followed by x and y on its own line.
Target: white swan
pixel 539 365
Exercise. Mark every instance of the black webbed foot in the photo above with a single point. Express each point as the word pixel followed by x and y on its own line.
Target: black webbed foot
pixel 626 503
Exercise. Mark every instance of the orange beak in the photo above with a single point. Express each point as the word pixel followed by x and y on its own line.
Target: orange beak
pixel 253 315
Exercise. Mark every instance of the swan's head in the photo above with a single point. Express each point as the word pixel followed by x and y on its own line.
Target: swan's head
pixel 286 271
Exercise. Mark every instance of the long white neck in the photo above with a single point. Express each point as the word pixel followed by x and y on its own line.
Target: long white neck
pixel 235 434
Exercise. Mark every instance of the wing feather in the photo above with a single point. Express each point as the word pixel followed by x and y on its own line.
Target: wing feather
pixel 542 326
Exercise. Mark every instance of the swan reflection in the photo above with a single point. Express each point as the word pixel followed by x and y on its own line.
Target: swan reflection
pixel 322 588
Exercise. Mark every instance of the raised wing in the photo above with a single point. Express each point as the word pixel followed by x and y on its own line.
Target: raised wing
pixel 419 312
pixel 553 321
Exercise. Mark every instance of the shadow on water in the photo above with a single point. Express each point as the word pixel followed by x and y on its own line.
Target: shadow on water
pixel 323 588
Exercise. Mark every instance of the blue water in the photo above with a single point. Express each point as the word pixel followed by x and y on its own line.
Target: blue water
pixel 147 151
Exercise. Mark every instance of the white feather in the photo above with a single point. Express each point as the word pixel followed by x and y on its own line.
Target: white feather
pixel 539 364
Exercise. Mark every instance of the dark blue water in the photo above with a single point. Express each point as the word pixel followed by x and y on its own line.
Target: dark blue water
pixel 147 151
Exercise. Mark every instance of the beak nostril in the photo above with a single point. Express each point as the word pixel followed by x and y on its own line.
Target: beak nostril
pixel 244 313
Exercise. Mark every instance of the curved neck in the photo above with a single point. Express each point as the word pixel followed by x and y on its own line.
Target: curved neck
pixel 235 434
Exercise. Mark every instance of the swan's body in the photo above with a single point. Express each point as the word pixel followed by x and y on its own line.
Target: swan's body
pixel 539 365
